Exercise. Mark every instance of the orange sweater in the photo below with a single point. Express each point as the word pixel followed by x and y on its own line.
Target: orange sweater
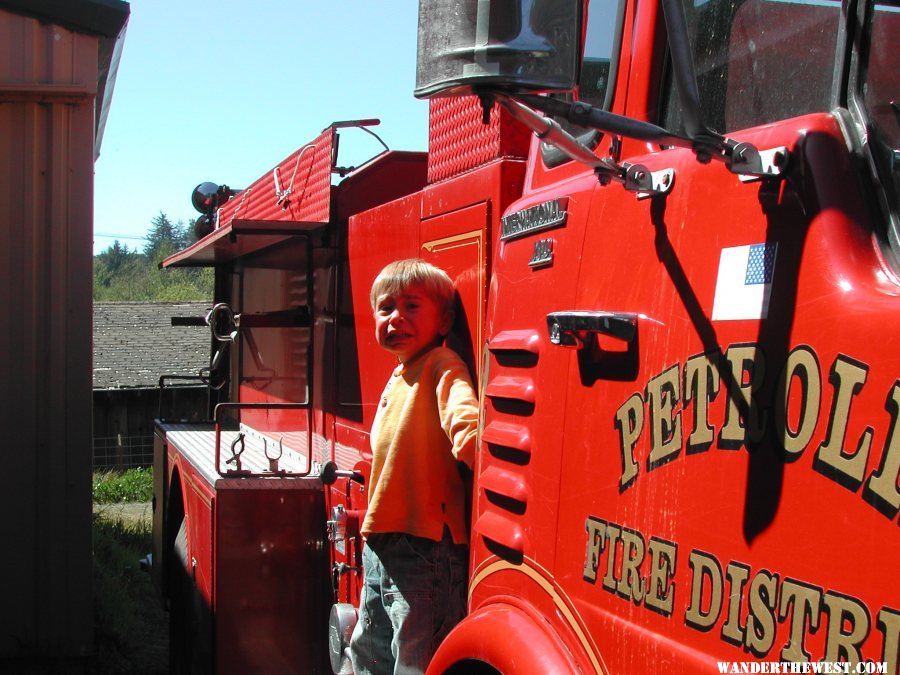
pixel 426 423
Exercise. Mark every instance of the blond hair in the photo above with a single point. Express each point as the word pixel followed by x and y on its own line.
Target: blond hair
pixel 401 274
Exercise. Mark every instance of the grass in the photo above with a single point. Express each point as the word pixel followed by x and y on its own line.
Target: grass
pixel 130 626
pixel 133 485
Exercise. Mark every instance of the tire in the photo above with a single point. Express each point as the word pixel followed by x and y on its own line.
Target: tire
pixel 190 643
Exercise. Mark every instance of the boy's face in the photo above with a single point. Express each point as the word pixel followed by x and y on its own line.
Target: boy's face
pixel 410 322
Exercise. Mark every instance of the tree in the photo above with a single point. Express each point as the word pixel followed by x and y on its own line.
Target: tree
pixel 164 237
pixel 123 275
pixel 115 257
pixel 116 262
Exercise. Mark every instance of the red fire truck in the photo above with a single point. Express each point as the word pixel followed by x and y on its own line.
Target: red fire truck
pixel 674 232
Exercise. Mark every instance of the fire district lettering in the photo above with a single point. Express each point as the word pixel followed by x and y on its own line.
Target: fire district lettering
pixel 739 374
pixel 746 607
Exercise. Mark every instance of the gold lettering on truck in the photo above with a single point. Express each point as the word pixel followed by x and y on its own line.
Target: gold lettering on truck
pixel 655 427
pixel 744 606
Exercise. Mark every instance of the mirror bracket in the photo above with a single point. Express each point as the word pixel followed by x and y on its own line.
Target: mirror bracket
pixel 740 157
pixel 645 183
pixel 752 164
pixel 634 177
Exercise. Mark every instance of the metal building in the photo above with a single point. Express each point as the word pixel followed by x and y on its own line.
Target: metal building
pixel 58 60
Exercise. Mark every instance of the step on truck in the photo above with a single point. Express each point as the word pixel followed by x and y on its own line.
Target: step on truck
pixel 673 228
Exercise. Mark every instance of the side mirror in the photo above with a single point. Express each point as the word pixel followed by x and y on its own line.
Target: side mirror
pixel 511 45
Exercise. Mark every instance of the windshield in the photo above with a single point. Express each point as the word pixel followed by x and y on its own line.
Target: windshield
pixel 759 61
pixel 602 39
pixel 879 94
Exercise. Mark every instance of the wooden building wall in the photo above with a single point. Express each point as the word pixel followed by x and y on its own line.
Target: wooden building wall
pixel 123 422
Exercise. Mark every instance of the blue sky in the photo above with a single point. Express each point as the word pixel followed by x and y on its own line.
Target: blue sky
pixel 224 90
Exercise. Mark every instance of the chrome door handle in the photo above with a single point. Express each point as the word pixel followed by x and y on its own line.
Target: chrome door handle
pixel 572 329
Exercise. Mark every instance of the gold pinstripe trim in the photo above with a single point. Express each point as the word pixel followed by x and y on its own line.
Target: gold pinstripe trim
pixel 176 460
pixel 459 241
pixel 431 245
pixel 195 487
pixel 542 578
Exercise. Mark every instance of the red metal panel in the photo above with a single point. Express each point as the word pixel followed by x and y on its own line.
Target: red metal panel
pixel 514 400
pixel 298 190
pixel 386 177
pixel 457 242
pixel 459 141
pixel 292 198
pixel 498 183
pixel 376 238
pixel 737 510
pixel 450 223
pixel 199 502
pixel 273 586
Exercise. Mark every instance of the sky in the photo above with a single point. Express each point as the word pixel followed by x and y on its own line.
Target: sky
pixel 222 91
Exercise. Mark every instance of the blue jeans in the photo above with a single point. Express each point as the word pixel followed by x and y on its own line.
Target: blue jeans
pixel 414 592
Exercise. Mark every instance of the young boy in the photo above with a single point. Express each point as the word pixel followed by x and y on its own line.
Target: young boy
pixel 415 555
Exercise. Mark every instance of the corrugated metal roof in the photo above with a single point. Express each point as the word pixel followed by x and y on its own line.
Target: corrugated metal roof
pixel 135 343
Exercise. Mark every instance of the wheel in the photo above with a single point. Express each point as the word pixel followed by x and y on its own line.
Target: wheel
pixel 190 621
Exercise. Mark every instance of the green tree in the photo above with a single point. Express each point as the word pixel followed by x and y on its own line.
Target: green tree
pixel 115 257
pixel 115 263
pixel 123 275
pixel 165 237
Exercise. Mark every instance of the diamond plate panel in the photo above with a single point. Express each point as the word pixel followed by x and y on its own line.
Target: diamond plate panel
pixel 459 141
pixel 297 190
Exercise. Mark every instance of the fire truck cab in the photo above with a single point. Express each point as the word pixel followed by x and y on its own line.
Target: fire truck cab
pixel 674 232
pixel 690 445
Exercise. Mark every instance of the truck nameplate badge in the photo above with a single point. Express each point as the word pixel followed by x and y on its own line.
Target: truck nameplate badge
pixel 535 218
pixel 543 253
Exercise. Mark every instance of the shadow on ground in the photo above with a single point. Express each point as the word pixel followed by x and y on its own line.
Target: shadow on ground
pixel 130 625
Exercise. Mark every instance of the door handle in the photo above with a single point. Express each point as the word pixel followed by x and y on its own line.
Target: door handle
pixel 572 329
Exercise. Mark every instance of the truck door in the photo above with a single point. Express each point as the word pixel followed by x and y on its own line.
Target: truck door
pixel 522 389
pixel 457 243
pixel 722 461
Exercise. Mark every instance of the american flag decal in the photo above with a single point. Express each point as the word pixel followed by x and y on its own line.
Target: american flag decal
pixel 760 264
pixel 744 283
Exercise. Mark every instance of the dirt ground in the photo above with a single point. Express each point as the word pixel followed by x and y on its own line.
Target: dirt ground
pixel 128 512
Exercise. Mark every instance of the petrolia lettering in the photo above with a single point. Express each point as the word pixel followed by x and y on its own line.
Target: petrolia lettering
pixel 676 407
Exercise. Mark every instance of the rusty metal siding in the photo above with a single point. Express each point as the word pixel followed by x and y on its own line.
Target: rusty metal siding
pixel 48 82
